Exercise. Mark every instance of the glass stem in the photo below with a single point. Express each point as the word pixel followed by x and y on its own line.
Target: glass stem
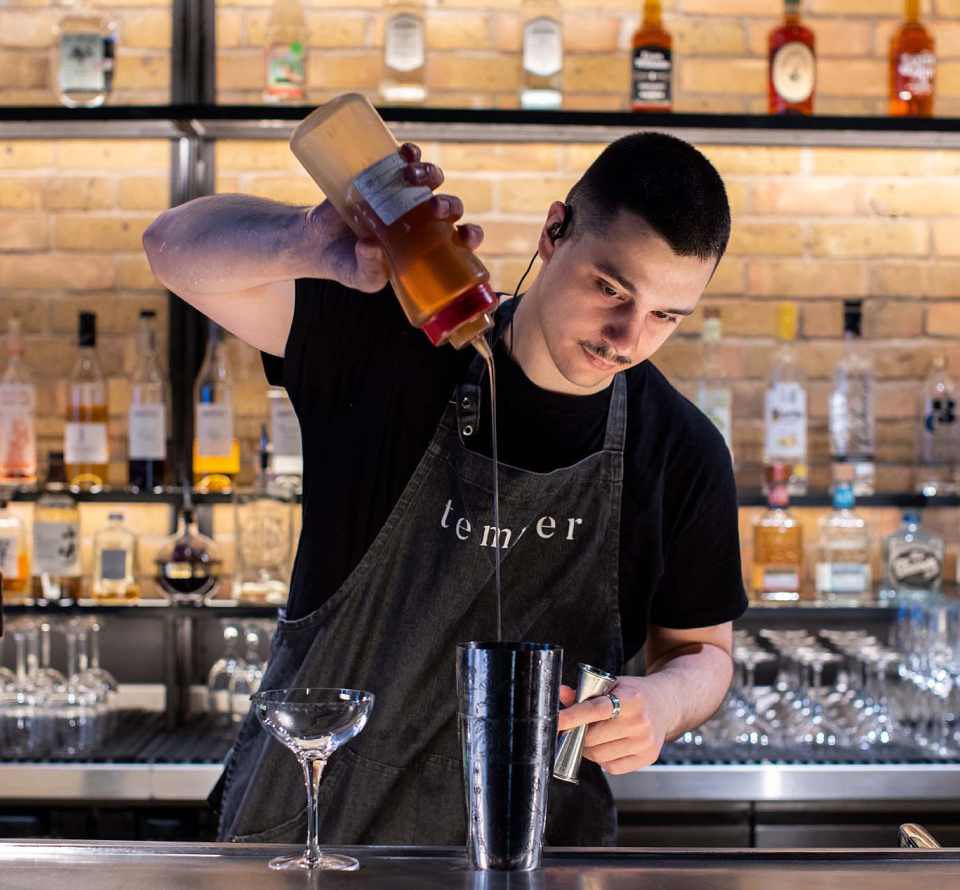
pixel 312 771
pixel 71 656
pixel 83 661
pixel 94 645
pixel 33 654
pixel 45 645
pixel 20 639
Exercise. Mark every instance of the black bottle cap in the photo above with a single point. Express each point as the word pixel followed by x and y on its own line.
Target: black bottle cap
pixel 88 329
pixel 852 317
pixel 147 313
pixel 56 471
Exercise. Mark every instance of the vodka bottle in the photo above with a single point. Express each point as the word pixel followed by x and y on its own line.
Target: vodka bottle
pixel 404 53
pixel 843 555
pixel 785 407
pixel 938 437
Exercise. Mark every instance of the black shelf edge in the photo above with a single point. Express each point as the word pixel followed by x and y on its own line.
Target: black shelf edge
pixel 172 496
pixel 900 500
pixel 223 609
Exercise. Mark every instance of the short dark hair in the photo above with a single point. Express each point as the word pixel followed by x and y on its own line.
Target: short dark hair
pixel 663 180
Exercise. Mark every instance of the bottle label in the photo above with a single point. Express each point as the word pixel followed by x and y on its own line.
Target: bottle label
pixel 715 403
pixel 214 430
pixel 941 413
pixel 388 193
pixel 794 72
pixel 652 76
pixel 113 565
pixel 10 557
pixel 56 548
pixel 542 46
pixel 85 443
pixel 18 429
pixel 785 421
pixel 286 71
pixel 82 66
pixel 285 430
pixel 914 75
pixel 147 431
pixel 915 566
pixel 404 46
pixel 780 578
pixel 843 577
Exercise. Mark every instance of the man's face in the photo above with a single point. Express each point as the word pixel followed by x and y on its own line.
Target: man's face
pixel 609 301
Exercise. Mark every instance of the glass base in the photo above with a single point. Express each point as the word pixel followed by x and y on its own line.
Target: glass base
pixel 327 862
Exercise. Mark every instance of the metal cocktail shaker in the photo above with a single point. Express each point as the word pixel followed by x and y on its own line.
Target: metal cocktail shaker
pixel 593 683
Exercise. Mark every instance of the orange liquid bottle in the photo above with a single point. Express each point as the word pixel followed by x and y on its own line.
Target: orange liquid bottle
pixel 441 284
pixel 913 66
pixel 652 68
pixel 792 69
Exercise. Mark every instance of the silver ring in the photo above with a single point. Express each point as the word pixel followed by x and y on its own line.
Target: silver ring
pixel 616 706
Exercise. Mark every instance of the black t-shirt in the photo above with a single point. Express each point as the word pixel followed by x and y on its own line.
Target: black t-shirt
pixel 369 391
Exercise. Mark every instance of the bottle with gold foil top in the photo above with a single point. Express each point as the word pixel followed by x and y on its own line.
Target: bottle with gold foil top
pixel 651 73
pixel 792 74
pixel 86 441
pixel 285 53
pixel 18 415
pixel 913 66
pixel 404 53
pixel 785 408
pixel 441 284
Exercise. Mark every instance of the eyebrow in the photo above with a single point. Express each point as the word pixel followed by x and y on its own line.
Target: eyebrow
pixel 614 273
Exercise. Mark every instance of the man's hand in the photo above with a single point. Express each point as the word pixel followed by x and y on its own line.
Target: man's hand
pixel 360 263
pixel 635 738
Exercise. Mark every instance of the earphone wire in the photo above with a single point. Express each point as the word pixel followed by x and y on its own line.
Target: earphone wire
pixel 516 291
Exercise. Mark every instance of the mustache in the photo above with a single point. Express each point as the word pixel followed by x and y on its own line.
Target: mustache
pixel 604 353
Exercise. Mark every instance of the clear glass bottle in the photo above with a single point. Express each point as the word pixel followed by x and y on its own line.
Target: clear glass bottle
pixel 843 555
pixel 14 555
pixel 86 444
pixel 188 565
pixel 913 66
pixel 785 407
pixel 216 448
pixel 852 438
pixel 938 438
pixel 404 53
pixel 777 545
pixel 912 560
pixel 147 416
pixel 714 393
pixel 18 415
pixel 83 54
pixel 651 73
pixel 116 575
pixel 286 461
pixel 56 538
pixel 542 76
pixel 263 521
pixel 285 53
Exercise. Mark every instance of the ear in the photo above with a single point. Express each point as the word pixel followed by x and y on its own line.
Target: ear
pixel 547 245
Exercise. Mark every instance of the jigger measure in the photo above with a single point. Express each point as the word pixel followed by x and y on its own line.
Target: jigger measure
pixel 592 684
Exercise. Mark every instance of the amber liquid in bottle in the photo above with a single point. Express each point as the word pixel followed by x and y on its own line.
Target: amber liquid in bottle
pixel 791 73
pixel 913 66
pixel 86 474
pixel 652 65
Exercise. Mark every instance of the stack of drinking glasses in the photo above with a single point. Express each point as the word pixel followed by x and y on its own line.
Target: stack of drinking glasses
pixel 233 677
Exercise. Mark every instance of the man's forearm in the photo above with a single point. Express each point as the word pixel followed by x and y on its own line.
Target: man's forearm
pixel 227 243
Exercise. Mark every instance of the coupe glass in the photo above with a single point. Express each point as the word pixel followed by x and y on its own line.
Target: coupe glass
pixel 313 723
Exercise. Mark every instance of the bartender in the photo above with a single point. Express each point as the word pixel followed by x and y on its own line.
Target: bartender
pixel 618 503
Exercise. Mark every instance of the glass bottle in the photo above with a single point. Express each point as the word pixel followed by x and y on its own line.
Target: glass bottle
pixel 115 566
pixel 18 415
pixel 938 438
pixel 843 555
pixel 542 76
pixel 792 69
pixel 851 418
pixel 286 462
pixel 777 545
pixel 147 417
pixel 404 53
pixel 714 394
pixel 216 448
pixel 912 560
pixel 56 538
pixel 86 441
pixel 14 556
pixel 913 66
pixel 84 50
pixel 651 74
pixel 188 564
pixel 785 407
pixel 285 56
pixel 441 284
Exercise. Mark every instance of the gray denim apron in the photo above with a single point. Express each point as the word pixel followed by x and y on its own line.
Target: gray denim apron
pixel 425 585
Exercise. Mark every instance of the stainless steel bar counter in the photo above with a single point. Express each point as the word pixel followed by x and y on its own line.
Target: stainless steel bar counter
pixel 105 866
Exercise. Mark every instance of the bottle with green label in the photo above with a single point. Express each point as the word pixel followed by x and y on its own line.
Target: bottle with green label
pixel 285 53
pixel 115 572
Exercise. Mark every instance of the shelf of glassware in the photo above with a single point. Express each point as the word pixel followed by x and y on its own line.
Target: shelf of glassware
pixel 216 608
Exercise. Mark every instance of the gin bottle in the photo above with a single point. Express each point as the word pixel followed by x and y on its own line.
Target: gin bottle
pixel 542 54
pixel 938 438
pixel 404 53
pixel 843 555
pixel 912 559
pixel 85 48
pixel 714 395
pixel 785 407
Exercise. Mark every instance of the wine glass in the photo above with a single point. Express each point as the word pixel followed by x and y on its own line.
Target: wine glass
pixel 313 723
pixel 220 673
pixel 245 678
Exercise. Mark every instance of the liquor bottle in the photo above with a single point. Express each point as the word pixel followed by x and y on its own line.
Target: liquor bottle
pixel 115 565
pixel 263 521
pixel 86 442
pixel 188 564
pixel 938 438
pixel 785 407
pixel 18 415
pixel 56 537
pixel 441 284
pixel 912 559
pixel 651 75
pixel 542 78
pixel 404 53
pixel 792 74
pixel 147 416
pixel 84 50
pixel 714 394
pixel 852 439
pixel 285 53
pixel 913 67
pixel 14 556
pixel 843 557
pixel 216 448
pixel 286 464
pixel 777 545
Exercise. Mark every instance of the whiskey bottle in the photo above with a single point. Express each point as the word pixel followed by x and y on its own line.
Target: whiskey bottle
pixel 56 538
pixel 542 85
pixel 792 70
pixel 285 55
pixel 913 67
pixel 777 545
pixel 404 53
pixel 86 441
pixel 115 564
pixel 84 50
pixel 147 416
pixel 14 558
pixel 651 74
pixel 216 448
pixel 18 416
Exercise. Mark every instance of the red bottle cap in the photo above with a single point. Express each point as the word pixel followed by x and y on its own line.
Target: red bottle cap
pixel 480 298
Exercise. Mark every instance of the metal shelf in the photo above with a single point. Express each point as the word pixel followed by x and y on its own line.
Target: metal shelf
pixel 899 499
